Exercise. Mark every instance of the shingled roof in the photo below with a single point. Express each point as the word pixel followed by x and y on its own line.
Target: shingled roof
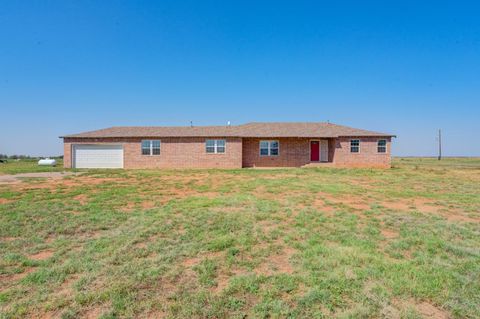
pixel 255 129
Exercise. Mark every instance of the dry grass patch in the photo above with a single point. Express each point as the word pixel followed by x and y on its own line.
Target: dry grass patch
pixel 4 201
pixel 277 263
pixel 42 255
pixel 389 233
pixel 427 310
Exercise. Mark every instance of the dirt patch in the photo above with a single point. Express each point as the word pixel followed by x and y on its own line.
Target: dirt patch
pixel 141 245
pixel 222 283
pixel 223 279
pixel 66 288
pixel 20 276
pixel 17 178
pixel 148 204
pixel 425 205
pixel 460 218
pixel 349 201
pixel 45 254
pixel 424 308
pixel 131 206
pixel 428 206
pixel 55 184
pixel 95 312
pixel 389 311
pixel 278 263
pixel 7 239
pixel 266 226
pixel 364 183
pixel 4 201
pixel 47 315
pixel 82 198
pixel 153 314
pixel 322 206
pixel 397 205
pixel 428 310
pixel 190 262
pixel 389 233
pixel 128 208
pixel 89 235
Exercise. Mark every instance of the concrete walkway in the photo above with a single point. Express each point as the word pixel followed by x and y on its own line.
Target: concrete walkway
pixel 17 178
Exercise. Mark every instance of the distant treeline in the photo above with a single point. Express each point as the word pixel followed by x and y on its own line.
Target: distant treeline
pixel 5 156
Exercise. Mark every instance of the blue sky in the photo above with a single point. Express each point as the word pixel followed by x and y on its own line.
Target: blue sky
pixel 406 67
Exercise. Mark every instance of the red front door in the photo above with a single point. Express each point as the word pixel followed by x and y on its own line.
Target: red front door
pixel 314 151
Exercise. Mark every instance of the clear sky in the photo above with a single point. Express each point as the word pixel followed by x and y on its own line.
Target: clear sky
pixel 404 67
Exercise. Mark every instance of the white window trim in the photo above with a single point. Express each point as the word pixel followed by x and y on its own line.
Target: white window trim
pixel 215 145
pixel 269 147
pixel 386 150
pixel 350 145
pixel 151 147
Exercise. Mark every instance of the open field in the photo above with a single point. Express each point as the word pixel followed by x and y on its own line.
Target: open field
pixel 28 166
pixel 296 243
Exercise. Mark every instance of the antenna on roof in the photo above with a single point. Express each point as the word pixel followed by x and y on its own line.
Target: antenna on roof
pixel 191 123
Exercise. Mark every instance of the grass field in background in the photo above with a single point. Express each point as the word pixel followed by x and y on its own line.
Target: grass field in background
pixel 28 166
pixel 283 243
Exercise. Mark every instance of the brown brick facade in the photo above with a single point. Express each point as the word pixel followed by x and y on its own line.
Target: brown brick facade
pixel 368 155
pixel 176 152
pixel 189 152
pixel 295 152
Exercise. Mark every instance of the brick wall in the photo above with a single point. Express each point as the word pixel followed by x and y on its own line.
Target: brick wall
pixel 293 152
pixel 181 152
pixel 185 152
pixel 367 157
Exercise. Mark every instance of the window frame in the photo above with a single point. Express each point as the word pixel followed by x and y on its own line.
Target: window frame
pixel 151 147
pixel 269 148
pixel 357 146
pixel 384 146
pixel 216 146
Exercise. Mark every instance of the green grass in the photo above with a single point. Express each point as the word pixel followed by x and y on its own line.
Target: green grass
pixel 286 243
pixel 28 166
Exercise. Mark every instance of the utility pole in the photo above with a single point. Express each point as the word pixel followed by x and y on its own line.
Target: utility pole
pixel 439 144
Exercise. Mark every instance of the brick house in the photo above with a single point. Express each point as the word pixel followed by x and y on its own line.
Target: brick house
pixel 247 145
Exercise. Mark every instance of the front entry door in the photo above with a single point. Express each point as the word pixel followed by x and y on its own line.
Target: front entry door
pixel 324 150
pixel 314 151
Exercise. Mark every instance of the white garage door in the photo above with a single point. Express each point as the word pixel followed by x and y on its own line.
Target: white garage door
pixel 97 156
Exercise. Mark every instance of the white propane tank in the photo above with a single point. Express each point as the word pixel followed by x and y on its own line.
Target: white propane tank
pixel 47 161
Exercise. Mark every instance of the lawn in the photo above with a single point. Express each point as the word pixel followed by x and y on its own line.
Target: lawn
pixel 296 243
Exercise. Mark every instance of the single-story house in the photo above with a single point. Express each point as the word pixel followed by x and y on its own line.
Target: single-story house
pixel 231 146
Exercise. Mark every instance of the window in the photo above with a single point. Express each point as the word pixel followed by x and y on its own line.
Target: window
pixel 269 148
pixel 382 146
pixel 354 146
pixel 156 147
pixel 150 147
pixel 215 146
pixel 145 147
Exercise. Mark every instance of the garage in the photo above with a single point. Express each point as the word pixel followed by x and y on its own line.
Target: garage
pixel 97 156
